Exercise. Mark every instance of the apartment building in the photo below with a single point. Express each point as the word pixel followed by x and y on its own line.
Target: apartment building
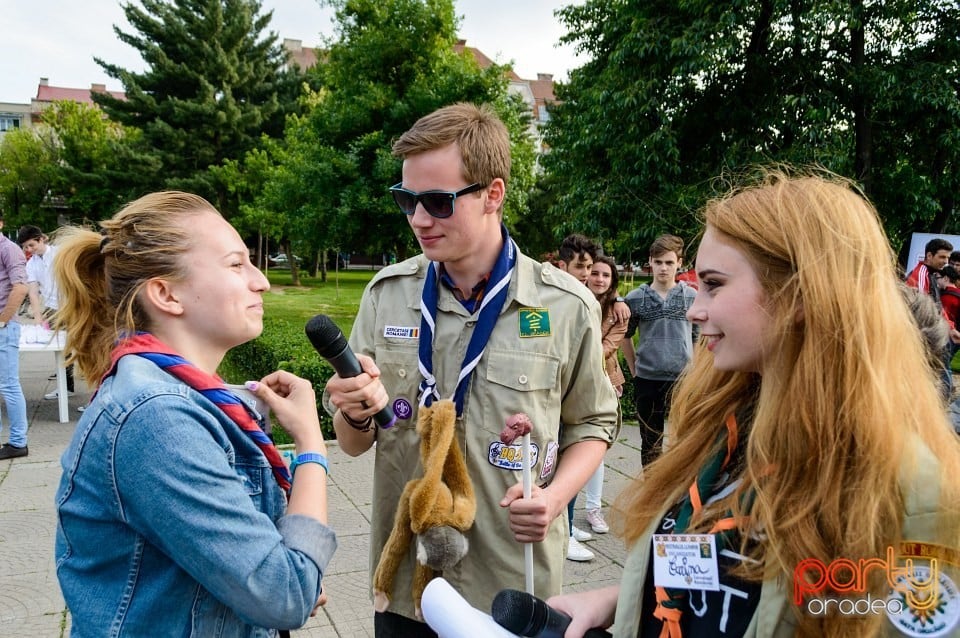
pixel 15 116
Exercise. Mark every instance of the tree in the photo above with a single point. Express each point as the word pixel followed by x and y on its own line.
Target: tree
pixel 676 94
pixel 92 153
pixel 213 86
pixel 28 159
pixel 391 62
pixel 67 167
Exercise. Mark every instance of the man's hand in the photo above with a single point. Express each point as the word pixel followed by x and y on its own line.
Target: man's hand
pixel 530 517
pixel 361 396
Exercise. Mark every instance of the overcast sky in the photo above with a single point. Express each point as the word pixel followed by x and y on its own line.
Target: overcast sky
pixel 58 39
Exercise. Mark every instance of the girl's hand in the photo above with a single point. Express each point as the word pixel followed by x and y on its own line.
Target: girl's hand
pixel 588 609
pixel 294 403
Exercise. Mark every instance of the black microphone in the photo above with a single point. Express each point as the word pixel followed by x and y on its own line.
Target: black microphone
pixel 330 343
pixel 526 615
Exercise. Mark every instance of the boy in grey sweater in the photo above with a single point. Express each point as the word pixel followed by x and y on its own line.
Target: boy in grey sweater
pixel 658 314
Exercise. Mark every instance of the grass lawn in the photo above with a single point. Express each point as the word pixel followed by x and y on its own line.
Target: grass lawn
pixel 338 297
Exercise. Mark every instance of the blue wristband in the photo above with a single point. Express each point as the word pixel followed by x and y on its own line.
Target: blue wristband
pixel 309 457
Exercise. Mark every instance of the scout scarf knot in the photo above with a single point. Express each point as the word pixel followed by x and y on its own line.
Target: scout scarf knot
pixel 145 345
pixel 490 306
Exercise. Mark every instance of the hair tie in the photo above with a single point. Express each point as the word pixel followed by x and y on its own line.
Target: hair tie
pixel 103 242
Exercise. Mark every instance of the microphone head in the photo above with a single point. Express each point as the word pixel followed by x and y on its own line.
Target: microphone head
pixel 518 612
pixel 325 336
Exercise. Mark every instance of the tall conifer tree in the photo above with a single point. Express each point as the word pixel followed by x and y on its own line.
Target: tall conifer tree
pixel 213 85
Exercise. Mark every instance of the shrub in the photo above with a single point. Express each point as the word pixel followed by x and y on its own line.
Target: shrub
pixel 282 346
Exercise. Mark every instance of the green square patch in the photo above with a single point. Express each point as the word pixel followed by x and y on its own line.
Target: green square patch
pixel 534 322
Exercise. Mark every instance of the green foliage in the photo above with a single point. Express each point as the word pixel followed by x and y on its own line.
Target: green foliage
pixel 28 160
pixel 627 406
pixel 391 62
pixel 91 152
pixel 212 87
pixel 678 93
pixel 67 165
pixel 516 116
pixel 282 346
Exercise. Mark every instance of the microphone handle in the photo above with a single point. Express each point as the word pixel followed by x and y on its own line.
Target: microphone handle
pixel 597 633
pixel 346 365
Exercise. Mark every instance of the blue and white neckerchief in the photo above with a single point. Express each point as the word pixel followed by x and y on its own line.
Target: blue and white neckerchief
pixel 490 306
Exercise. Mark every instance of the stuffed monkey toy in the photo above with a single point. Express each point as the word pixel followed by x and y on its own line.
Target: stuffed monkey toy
pixel 438 508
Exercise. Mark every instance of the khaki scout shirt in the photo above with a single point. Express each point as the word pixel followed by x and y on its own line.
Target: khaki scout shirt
pixel 544 358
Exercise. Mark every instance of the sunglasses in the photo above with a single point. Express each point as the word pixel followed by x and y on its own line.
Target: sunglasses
pixel 438 204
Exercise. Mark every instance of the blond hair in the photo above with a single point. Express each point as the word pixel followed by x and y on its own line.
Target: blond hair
pixel 481 136
pixel 100 275
pixel 845 391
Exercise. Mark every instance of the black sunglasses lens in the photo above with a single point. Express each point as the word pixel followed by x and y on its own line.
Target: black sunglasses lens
pixel 405 200
pixel 438 204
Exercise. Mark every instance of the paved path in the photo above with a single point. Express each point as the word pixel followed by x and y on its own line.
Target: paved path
pixel 30 599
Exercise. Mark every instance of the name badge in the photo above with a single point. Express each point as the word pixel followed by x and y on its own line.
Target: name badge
pixel 686 561
pixel 401 332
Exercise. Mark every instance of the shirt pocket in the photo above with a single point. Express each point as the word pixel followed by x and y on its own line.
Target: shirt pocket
pixel 250 471
pixel 528 382
pixel 523 371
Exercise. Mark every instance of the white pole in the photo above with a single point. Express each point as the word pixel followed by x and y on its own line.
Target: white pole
pixel 527 547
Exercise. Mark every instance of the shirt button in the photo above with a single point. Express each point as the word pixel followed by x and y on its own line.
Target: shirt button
pixel 401 373
pixel 413 266
pixel 522 379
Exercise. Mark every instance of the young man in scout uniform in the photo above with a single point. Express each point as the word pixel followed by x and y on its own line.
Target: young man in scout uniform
pixel 475 320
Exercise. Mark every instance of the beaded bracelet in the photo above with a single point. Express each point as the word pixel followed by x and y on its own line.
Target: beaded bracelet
pixel 360 426
pixel 309 457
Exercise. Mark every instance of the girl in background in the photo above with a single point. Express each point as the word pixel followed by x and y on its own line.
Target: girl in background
pixel 808 429
pixel 603 281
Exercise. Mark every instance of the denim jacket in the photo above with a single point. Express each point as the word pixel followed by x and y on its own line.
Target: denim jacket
pixel 170 523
